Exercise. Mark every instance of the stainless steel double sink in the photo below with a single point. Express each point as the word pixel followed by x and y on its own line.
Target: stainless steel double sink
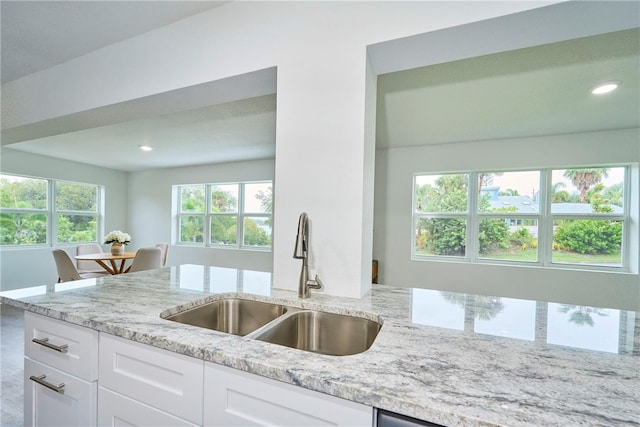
pixel 302 329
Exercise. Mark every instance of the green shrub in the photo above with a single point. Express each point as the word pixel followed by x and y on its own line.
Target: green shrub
pixel 446 236
pixel 522 238
pixel 589 236
pixel 494 235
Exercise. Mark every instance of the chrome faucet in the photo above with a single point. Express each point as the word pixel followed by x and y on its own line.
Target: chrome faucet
pixel 301 251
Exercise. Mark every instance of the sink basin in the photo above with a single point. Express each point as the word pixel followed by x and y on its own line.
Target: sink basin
pixel 231 315
pixel 320 332
pixel 302 329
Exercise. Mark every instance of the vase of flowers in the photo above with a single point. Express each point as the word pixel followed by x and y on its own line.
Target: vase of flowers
pixel 118 241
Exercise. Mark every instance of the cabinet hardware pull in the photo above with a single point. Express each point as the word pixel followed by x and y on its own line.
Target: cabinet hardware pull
pixel 40 380
pixel 45 342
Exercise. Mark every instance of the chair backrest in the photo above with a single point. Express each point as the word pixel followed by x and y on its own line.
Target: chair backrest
pixel 66 270
pixel 147 259
pixel 164 247
pixel 88 248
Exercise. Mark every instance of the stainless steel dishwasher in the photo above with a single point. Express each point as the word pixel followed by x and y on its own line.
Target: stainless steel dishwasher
pixel 390 419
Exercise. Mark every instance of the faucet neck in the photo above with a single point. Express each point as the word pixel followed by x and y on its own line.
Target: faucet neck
pixel 302 239
pixel 301 252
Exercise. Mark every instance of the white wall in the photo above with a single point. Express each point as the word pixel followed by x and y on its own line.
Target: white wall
pixel 33 267
pixel 394 231
pixel 150 211
pixel 319 49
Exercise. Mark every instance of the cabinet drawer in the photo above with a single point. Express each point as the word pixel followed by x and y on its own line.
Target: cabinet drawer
pixel 168 381
pixel 115 410
pixel 79 357
pixel 73 405
pixel 237 398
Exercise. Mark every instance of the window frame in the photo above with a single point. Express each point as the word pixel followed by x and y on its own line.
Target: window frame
pixel 476 257
pixel 51 212
pixel 240 215
pixel 544 216
pixel 442 215
pixel 624 217
pixel 66 212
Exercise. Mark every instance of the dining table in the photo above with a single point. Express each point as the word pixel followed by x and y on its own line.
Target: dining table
pixel 113 264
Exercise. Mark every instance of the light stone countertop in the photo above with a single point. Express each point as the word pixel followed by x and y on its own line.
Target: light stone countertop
pixel 448 358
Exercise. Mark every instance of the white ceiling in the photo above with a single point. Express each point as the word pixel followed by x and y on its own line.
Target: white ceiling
pixel 542 90
pixel 37 35
pixel 233 131
pixel 535 91
pixel 224 121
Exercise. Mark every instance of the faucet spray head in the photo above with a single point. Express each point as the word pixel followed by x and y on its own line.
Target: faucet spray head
pixel 300 250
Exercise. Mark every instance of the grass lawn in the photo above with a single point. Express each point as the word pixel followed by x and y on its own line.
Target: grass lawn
pixel 530 255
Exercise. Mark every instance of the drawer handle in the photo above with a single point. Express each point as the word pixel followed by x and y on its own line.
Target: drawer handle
pixel 45 342
pixel 40 380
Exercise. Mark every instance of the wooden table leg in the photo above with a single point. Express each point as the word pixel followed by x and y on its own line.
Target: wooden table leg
pixel 121 269
pixel 105 266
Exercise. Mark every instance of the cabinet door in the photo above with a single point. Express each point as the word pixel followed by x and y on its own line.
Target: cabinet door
pixel 167 381
pixel 237 398
pixel 73 405
pixel 70 348
pixel 117 410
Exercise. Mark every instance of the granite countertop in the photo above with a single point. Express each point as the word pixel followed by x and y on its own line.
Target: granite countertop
pixel 444 357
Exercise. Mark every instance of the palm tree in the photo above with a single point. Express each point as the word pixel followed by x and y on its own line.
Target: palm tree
pixel 581 315
pixel 583 179
pixel 557 195
pixel 486 179
pixel 509 192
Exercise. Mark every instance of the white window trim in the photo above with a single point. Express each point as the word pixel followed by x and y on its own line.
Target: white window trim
pixel 52 214
pixel 240 214
pixel 545 223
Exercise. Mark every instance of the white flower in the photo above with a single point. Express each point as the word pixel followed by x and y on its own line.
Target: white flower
pixel 117 236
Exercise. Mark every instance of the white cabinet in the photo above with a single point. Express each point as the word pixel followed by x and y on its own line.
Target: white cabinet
pixel 72 403
pixel 60 377
pixel 118 410
pixel 237 398
pixel 163 385
pixel 75 376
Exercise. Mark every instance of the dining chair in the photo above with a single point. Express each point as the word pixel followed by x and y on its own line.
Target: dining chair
pixel 164 247
pixel 67 270
pixel 89 266
pixel 146 259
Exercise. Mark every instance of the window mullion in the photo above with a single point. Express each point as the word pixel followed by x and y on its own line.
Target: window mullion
pixel 178 207
pixel 545 226
pixel 240 218
pixel 207 214
pixel 471 252
pixel 626 222
pixel 52 214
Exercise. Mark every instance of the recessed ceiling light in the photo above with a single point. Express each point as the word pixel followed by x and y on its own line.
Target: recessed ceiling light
pixel 603 88
pixel 146 147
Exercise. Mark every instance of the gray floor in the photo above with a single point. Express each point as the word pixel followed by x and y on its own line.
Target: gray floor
pixel 11 365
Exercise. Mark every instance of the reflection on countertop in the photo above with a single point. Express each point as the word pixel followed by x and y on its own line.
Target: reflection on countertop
pixel 591 328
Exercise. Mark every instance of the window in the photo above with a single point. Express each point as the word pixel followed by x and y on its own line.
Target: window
pixel 441 207
pixel 550 217
pixel 508 214
pixel 76 210
pixel 37 211
pixel 234 215
pixel 589 225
